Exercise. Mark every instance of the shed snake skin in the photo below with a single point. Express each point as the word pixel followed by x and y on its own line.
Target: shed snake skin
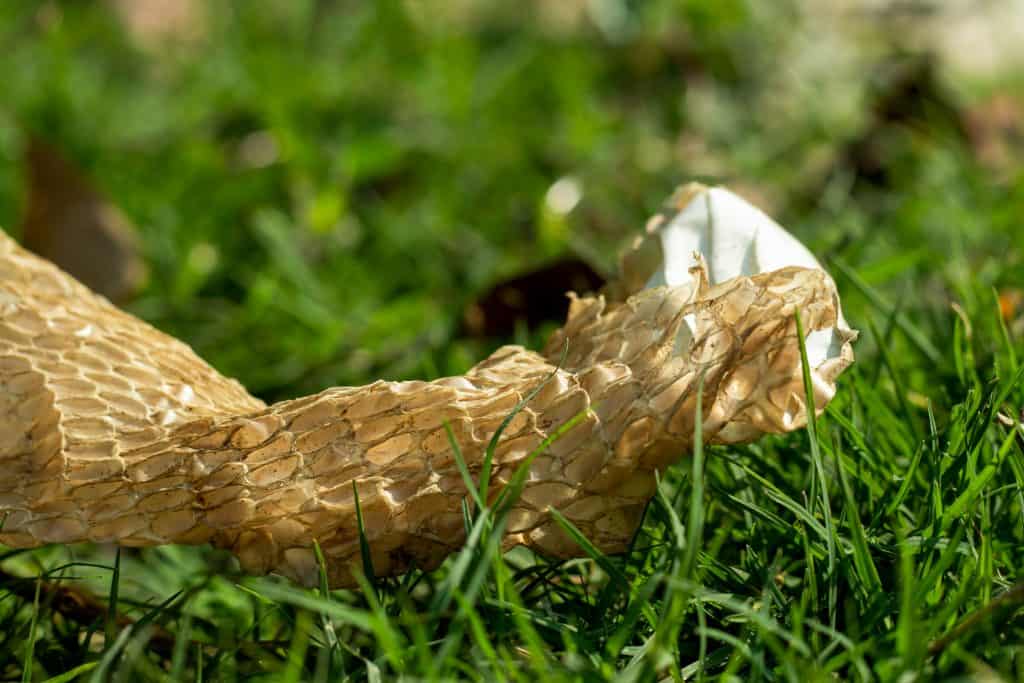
pixel 111 431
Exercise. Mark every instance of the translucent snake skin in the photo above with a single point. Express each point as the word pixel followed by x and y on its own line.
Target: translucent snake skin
pixel 111 431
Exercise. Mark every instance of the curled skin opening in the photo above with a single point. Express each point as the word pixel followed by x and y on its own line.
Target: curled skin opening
pixel 112 431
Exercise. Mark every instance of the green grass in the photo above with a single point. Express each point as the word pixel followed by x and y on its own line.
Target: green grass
pixel 414 154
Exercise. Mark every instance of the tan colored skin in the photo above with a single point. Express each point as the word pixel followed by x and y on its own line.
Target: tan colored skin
pixel 112 431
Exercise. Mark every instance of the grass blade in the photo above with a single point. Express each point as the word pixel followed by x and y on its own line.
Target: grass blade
pixel 812 435
pixel 115 581
pixel 364 544
pixel 915 335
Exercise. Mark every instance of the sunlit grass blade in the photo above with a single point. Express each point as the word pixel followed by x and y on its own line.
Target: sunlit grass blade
pixel 364 543
pixel 908 644
pixel 113 649
pixel 492 445
pixel 294 665
pixel 865 565
pixel 460 463
pixel 600 558
pixel 913 333
pixel 325 593
pixel 30 647
pixel 462 562
pixel 819 468
pixel 282 593
pixel 899 387
pixel 695 520
pixel 75 673
pixel 179 655
pixel 1007 600
pixel 905 486
pixel 934 577
pixel 978 482
pixel 115 582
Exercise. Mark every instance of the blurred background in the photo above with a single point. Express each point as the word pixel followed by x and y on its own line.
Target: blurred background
pixel 320 192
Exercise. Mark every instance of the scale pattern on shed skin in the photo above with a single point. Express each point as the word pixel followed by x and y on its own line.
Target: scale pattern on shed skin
pixel 112 431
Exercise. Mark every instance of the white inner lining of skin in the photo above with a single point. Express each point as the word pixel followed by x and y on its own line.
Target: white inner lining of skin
pixel 735 238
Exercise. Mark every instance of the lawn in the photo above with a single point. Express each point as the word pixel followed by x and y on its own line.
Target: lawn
pixel 322 188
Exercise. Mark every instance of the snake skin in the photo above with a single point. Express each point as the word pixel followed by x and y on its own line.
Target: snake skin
pixel 111 431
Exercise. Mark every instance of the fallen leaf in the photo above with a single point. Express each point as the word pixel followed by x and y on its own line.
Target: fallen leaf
pixel 69 222
pixel 531 298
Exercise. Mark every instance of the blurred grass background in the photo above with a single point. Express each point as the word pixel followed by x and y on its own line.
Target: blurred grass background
pixel 333 182
pixel 322 187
